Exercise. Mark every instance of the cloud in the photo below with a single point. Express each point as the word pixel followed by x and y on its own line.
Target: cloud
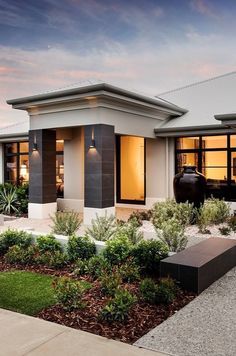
pixel 205 8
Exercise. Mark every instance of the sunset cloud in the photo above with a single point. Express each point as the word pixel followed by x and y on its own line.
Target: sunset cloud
pixel 149 46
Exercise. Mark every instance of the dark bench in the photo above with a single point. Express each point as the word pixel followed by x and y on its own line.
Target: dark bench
pixel 197 267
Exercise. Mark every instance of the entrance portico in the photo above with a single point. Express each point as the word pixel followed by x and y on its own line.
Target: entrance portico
pixel 88 120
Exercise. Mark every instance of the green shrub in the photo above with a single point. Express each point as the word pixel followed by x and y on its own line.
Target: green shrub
pixel 102 228
pixel 148 290
pixel 232 223
pixel 131 230
pixel 213 211
pixel 172 234
pixel 147 255
pixel 164 211
pixel 162 293
pixel 10 238
pixel 23 198
pixel 48 243
pixel 166 291
pixel 139 216
pixel 8 200
pixel 110 281
pixel 69 293
pixel 21 255
pixel 58 260
pixel 117 250
pixel 225 230
pixel 80 247
pixel 129 271
pixel 118 308
pixel 66 222
pixel 80 267
pixel 97 265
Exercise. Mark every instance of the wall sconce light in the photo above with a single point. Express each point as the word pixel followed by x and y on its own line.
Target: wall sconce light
pixel 92 144
pixel 35 146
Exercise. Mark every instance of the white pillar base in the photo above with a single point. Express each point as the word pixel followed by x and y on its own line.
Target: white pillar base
pixel 41 211
pixel 92 213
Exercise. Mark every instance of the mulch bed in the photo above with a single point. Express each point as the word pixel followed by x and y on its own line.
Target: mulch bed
pixel 142 318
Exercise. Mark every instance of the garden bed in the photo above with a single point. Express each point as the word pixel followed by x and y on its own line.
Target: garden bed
pixel 141 319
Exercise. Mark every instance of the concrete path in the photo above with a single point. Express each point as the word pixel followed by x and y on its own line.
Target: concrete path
pixel 205 327
pixel 23 335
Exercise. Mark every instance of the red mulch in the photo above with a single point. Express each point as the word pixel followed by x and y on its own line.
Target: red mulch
pixel 142 318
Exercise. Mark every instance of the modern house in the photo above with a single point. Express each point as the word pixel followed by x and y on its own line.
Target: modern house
pixel 95 147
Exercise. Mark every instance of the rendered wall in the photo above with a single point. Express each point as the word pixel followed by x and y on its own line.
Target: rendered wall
pixel 124 122
pixel 73 171
pixel 1 164
pixel 156 180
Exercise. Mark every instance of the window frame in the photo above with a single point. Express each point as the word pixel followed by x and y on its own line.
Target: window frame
pixel 16 154
pixel 199 151
pixel 118 175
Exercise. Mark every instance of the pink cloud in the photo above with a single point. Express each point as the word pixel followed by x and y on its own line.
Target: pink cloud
pixel 204 8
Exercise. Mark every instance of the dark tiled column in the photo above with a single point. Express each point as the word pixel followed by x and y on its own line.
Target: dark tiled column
pixel 42 166
pixel 99 166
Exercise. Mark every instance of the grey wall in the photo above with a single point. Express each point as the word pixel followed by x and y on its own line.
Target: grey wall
pixel 42 166
pixel 99 166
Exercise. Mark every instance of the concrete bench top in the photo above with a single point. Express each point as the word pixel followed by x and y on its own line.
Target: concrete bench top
pixel 200 254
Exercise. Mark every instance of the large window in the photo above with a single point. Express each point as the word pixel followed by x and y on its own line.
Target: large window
pixel 17 164
pixel 215 157
pixel 131 169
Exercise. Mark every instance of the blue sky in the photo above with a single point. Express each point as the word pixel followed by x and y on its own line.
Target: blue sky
pixel 149 45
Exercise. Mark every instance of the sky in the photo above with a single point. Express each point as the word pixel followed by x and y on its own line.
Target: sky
pixel 147 45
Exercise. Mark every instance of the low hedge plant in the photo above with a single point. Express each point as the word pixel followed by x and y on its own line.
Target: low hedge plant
pixel 80 247
pixel 11 238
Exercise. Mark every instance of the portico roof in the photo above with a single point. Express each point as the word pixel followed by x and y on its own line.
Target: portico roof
pixel 96 90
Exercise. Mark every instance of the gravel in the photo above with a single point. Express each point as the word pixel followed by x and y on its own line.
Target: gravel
pixel 206 326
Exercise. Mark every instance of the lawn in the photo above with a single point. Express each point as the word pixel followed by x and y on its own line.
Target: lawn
pixel 25 292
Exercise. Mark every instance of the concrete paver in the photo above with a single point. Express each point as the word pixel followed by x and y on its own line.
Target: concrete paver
pixel 23 335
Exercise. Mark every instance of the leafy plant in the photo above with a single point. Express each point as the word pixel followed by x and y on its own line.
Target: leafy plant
pixel 23 198
pixel 213 211
pixel 48 243
pixel 80 247
pixel 21 255
pixel 147 255
pixel 66 222
pixel 117 250
pixel 96 266
pixel 110 282
pixel 69 293
pixel 148 290
pixel 140 215
pixel 164 211
pixel 8 200
pixel 131 230
pixel 102 228
pixel 117 309
pixel 10 238
pixel 162 293
pixel 166 291
pixel 225 230
pixel 232 223
pixel 129 271
pixel 172 234
pixel 57 260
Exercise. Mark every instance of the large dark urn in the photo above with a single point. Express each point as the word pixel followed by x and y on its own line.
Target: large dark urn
pixel 190 185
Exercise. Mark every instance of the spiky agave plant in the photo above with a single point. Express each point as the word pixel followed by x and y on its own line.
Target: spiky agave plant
pixel 8 200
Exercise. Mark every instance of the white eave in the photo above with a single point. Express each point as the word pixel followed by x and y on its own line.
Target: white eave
pixel 96 91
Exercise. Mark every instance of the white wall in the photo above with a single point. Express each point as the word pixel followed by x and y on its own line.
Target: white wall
pixel 171 165
pixel 155 170
pixel 124 122
pixel 1 163
pixel 73 172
